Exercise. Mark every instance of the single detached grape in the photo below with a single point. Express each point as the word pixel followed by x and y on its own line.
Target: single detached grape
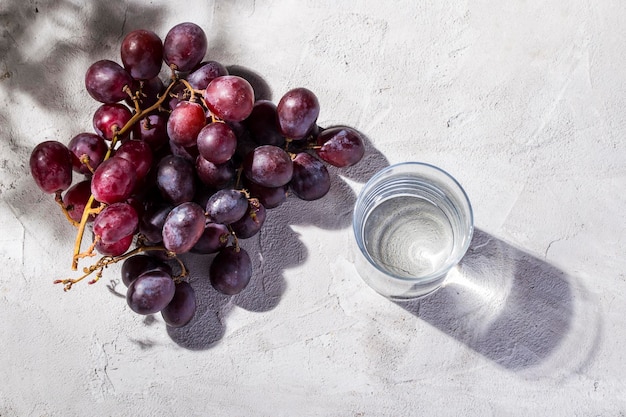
pixel 340 146
pixel 175 179
pixel 227 206
pixel 113 181
pixel 136 265
pixel 217 142
pixel 269 166
pixel 138 153
pixel 182 308
pixel 183 227
pixel 311 179
pixel 115 222
pixel 90 147
pixel 185 122
pixel 142 54
pixel 150 292
pixel 108 119
pixel 51 166
pixel 185 46
pixel 230 270
pixel 230 98
pixel 206 72
pixel 250 224
pixel 214 238
pixel 297 112
pixel 105 81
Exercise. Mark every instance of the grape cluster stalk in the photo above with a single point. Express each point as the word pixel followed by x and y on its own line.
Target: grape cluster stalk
pixel 186 165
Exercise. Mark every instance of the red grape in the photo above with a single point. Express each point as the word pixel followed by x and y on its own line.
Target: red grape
pixel 175 179
pixel 139 154
pixel 214 238
pixel 183 227
pixel 200 77
pixel 230 270
pixel 142 54
pixel 152 129
pixel 184 46
pixel 136 265
pixel 311 179
pixel 227 206
pixel 182 308
pixel 110 118
pixel 90 145
pixel 105 81
pixel 113 181
pixel 250 224
pixel 216 176
pixel 340 146
pixel 115 248
pixel 185 122
pixel 262 123
pixel 151 292
pixel 230 98
pixel 217 142
pixel 269 166
pixel 115 222
pixel 51 166
pixel 297 112
pixel 75 200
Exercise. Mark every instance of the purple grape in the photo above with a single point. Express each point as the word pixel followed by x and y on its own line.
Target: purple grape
pixel 230 270
pixel 262 123
pixel 217 142
pixel 250 224
pixel 175 179
pixel 214 238
pixel 150 91
pixel 230 98
pixel 269 166
pixel 152 129
pixel 227 206
pixel 139 154
pixel 189 153
pixel 216 176
pixel 182 308
pixel 184 46
pixel 90 145
pixel 340 146
pixel 142 54
pixel 297 113
pixel 152 221
pixel 113 181
pixel 270 197
pixel 183 227
pixel 200 77
pixel 137 265
pixel 105 81
pixel 185 122
pixel 151 292
pixel 115 222
pixel 311 179
pixel 110 118
pixel 116 248
pixel 51 166
pixel 75 200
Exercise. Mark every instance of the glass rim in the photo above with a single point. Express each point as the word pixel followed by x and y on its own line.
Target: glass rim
pixel 433 276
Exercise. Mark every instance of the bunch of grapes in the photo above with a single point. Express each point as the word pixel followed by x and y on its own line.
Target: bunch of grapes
pixel 186 165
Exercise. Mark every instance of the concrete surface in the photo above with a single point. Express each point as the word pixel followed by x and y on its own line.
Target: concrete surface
pixel 522 101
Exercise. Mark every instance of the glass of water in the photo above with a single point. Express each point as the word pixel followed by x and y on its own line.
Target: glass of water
pixel 413 223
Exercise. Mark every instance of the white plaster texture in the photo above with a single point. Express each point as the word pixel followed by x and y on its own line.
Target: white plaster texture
pixel 523 102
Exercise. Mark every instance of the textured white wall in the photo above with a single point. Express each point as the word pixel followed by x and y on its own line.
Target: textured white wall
pixel 522 101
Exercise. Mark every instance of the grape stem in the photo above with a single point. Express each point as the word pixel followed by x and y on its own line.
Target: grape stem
pixel 105 261
pixel 139 114
pixel 59 199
